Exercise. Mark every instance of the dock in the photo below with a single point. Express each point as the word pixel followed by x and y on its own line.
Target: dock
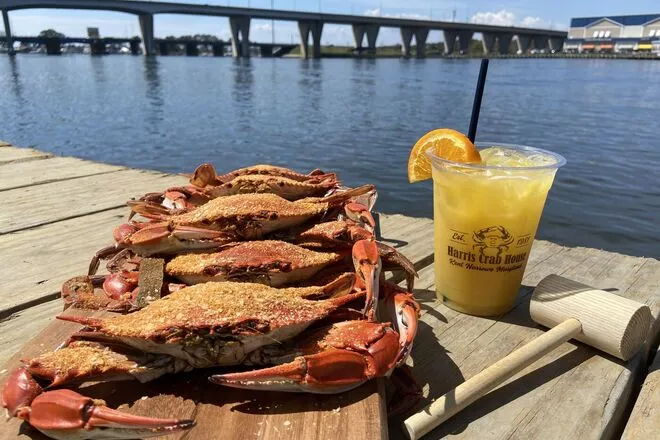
pixel 57 211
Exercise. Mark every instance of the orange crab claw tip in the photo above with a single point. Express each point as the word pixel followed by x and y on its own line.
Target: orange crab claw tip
pixel 104 417
pixel 65 412
pixel 281 377
pixel 323 373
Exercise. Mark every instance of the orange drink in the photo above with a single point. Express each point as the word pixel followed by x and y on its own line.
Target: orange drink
pixel 485 218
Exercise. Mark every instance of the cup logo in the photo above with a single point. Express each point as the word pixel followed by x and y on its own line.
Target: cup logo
pixel 492 241
pixel 489 249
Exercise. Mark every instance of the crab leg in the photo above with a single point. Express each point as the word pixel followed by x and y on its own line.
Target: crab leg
pixel 401 305
pixel 335 359
pixel 341 357
pixel 67 415
pixel 367 268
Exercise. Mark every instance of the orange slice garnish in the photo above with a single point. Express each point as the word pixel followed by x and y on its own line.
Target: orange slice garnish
pixel 445 143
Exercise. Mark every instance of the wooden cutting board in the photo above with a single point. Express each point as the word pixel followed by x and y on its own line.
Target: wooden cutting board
pixel 220 412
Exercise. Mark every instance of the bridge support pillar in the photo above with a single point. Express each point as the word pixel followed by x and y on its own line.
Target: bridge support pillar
pixel 523 43
pixel 488 41
pixel 464 41
pixel 372 36
pixel 147 29
pixel 218 49
pixel 53 46
pixel 358 36
pixel 192 49
pixel 557 44
pixel 303 28
pixel 240 36
pixel 406 39
pixel 450 41
pixel 163 48
pixel 540 42
pixel 503 43
pixel 97 47
pixel 135 47
pixel 420 40
pixel 266 51
pixel 9 40
pixel 316 28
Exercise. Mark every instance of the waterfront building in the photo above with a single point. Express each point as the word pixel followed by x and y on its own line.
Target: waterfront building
pixel 614 34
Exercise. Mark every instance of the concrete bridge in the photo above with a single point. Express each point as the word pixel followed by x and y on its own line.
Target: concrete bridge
pixel 494 38
pixel 164 46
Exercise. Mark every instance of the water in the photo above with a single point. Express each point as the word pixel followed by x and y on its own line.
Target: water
pixel 359 117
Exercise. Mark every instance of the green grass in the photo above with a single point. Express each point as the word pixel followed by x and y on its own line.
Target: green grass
pixel 381 51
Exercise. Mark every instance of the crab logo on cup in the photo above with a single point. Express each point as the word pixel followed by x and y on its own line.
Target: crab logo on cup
pixel 492 241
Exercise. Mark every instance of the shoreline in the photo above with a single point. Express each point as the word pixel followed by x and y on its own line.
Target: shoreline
pixel 645 57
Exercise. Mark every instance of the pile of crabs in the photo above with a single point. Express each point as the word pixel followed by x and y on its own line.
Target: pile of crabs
pixel 266 269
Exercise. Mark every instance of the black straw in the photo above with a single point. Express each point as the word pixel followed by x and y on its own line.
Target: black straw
pixel 476 107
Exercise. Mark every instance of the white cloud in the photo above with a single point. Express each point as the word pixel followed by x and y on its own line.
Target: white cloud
pixel 534 22
pixel 507 18
pixel 378 13
pixel 499 18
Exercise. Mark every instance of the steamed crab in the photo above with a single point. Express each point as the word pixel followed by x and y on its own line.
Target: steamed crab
pixel 222 221
pixel 271 262
pixel 213 324
pixel 205 174
pixel 206 185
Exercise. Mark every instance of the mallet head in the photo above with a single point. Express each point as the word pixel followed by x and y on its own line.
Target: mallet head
pixel 610 323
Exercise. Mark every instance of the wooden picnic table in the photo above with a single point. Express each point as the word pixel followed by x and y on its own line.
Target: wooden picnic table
pixel 57 211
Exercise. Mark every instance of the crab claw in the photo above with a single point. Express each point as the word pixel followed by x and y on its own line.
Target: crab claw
pixel 19 391
pixel 116 285
pixel 150 210
pixel 367 267
pixel 394 259
pixel 205 175
pixel 335 359
pixel 101 254
pixel 360 213
pixel 404 310
pixel 65 414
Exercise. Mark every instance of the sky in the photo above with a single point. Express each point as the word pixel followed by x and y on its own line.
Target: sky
pixel 541 14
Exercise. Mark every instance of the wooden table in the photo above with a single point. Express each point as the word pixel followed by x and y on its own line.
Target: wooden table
pixel 57 211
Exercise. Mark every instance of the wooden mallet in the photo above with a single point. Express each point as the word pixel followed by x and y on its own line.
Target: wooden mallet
pixel 608 322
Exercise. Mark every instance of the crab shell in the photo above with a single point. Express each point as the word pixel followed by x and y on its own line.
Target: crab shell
pixel 214 324
pixel 222 220
pixel 284 187
pixel 185 198
pixel 205 174
pixel 270 262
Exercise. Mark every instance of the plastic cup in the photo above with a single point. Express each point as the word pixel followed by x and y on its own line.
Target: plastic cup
pixel 485 220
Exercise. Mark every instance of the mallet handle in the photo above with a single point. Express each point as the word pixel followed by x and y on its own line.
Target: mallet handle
pixel 466 393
